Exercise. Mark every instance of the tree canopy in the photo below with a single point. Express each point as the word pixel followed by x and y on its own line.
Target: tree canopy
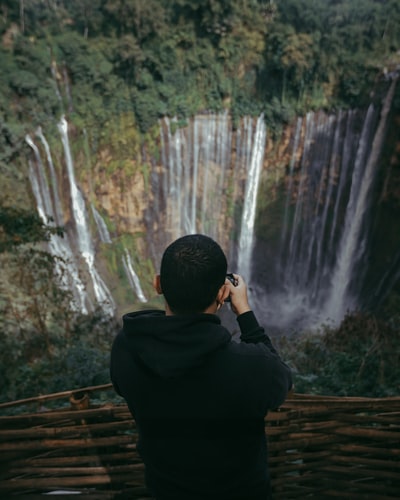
pixel 178 57
pixel 19 226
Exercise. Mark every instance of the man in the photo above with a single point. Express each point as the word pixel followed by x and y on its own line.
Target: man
pixel 198 398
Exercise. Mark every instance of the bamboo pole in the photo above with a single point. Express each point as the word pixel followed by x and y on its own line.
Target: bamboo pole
pixel 373 462
pixel 358 471
pixel 126 456
pixel 373 450
pixel 78 471
pixel 65 431
pixel 56 395
pixel 115 412
pixel 367 433
pixel 80 444
pixel 49 483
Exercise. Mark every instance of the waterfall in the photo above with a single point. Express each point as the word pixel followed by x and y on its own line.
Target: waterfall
pixel 296 236
pixel 353 243
pixel 318 192
pixel 290 188
pixel 83 234
pixel 101 226
pixel 132 276
pixel 317 270
pixel 250 200
pixel 46 208
pixel 66 268
pixel 210 171
pixel 195 158
pixel 332 175
pixel 58 215
pixel 53 68
pixel 67 89
pixel 314 264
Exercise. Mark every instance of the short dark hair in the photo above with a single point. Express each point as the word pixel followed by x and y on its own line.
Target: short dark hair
pixel 193 269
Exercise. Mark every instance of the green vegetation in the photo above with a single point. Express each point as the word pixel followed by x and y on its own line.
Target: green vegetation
pixel 18 226
pixel 98 59
pixel 46 346
pixel 360 358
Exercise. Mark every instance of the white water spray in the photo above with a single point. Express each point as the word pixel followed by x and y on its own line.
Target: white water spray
pixel 101 226
pixel 132 276
pixel 84 239
pixel 250 200
pixel 353 244
pixel 204 179
pixel 66 268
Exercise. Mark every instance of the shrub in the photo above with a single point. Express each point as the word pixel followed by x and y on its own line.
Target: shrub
pixel 360 358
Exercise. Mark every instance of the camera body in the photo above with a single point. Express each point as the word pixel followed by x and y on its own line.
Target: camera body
pixel 234 282
pixel 232 279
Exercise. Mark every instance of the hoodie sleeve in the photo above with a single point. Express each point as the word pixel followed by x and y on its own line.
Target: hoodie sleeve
pixel 253 333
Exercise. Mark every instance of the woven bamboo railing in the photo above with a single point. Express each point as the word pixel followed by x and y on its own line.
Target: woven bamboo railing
pixel 319 447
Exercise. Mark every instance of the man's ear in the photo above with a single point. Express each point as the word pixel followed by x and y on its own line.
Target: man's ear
pixel 157 284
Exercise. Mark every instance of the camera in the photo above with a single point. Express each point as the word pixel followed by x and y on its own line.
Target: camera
pixel 234 282
pixel 232 279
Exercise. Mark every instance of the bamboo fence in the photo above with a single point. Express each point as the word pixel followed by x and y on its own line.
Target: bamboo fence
pixel 319 447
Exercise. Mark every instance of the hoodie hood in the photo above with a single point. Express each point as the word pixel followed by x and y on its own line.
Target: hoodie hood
pixel 171 345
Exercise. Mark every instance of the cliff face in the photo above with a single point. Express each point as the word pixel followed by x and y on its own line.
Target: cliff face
pixel 120 212
pixel 122 198
pixel 205 177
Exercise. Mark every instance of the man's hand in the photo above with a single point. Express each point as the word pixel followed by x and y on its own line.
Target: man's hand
pixel 238 295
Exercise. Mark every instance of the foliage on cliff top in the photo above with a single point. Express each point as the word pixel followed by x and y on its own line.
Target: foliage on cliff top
pixel 97 58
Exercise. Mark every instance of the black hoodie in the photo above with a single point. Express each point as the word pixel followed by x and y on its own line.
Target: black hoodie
pixel 199 400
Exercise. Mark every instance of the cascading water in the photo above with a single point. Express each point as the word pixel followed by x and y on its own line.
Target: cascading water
pixel 194 159
pixel 83 235
pixel 66 268
pixel 353 243
pixel 210 173
pixel 290 186
pixel 133 277
pixel 206 171
pixel 302 272
pixel 43 191
pixel 317 273
pixel 250 200
pixel 58 215
pixel 101 226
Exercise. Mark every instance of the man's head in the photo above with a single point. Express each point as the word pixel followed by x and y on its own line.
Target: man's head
pixel 193 270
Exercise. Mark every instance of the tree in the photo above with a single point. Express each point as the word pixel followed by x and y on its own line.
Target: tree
pixel 142 18
pixel 19 227
pixel 87 15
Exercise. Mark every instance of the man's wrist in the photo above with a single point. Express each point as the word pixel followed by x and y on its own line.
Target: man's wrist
pixel 242 309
